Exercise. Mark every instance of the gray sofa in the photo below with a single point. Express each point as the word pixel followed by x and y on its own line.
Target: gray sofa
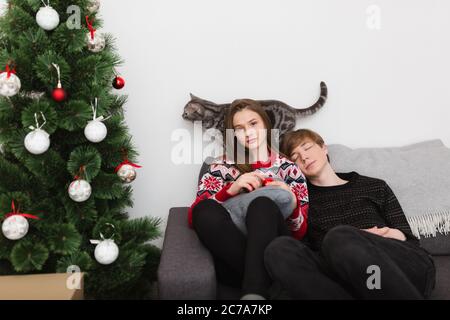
pixel 186 269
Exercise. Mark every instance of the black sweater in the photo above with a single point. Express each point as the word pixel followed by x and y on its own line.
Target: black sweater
pixel 362 202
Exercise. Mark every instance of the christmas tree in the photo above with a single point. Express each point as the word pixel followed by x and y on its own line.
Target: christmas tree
pixel 66 156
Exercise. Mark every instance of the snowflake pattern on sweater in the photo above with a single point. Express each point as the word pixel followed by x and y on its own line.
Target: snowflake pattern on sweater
pixel 221 174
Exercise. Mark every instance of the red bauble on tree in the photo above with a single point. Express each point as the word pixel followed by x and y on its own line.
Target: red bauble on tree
pixel 118 82
pixel 58 94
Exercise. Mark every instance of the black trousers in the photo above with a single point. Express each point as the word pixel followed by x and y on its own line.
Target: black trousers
pixel 346 265
pixel 239 258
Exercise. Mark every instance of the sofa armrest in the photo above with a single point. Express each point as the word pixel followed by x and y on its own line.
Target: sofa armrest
pixel 186 270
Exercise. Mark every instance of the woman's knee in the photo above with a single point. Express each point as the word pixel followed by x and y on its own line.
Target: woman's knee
pixel 262 207
pixel 204 213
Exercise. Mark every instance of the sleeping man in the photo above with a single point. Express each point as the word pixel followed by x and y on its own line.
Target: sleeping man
pixel 358 244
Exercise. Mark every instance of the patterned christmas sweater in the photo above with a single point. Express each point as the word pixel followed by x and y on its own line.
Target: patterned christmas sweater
pixel 221 174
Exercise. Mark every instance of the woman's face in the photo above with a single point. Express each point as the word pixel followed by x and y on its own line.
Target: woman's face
pixel 249 129
pixel 310 157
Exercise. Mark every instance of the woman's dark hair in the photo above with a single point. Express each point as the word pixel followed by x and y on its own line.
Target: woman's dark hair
pixel 231 140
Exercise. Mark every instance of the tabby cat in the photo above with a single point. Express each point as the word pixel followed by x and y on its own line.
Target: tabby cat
pixel 282 116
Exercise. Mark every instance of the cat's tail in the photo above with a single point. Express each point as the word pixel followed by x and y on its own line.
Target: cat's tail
pixel 319 103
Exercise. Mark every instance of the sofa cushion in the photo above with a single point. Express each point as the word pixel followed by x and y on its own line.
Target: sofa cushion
pixel 186 269
pixel 418 175
pixel 442 289
pixel 438 245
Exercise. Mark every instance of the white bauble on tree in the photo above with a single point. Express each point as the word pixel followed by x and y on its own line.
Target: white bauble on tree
pixel 47 18
pixel 106 252
pixel 37 141
pixel 80 190
pixel 95 131
pixel 15 227
pixel 127 173
pixel 9 84
pixel 97 43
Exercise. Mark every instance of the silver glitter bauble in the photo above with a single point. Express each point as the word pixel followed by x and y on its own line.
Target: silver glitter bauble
pixel 97 44
pixel 127 173
pixel 15 227
pixel 93 6
pixel 80 190
pixel 9 86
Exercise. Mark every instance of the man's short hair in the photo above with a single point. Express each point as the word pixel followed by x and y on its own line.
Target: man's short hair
pixel 292 140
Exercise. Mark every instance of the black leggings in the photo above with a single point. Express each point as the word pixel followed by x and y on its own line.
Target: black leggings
pixel 342 268
pixel 239 259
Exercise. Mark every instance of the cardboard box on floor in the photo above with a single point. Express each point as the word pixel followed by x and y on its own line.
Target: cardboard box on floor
pixel 55 286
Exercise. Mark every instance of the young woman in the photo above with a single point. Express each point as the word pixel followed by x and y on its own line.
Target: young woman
pixel 239 258
pixel 356 229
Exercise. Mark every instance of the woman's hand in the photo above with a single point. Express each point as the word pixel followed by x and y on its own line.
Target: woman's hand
pixel 387 232
pixel 250 181
pixel 283 185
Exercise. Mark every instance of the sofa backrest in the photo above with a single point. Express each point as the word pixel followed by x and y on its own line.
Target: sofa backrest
pixel 419 175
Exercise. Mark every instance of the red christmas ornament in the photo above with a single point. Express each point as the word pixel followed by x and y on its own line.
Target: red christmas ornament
pixel 59 94
pixel 118 82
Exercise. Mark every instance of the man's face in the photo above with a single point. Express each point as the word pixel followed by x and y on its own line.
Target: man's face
pixel 310 157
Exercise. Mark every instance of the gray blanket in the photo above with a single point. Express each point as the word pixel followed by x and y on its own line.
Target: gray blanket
pixel 419 175
pixel 238 205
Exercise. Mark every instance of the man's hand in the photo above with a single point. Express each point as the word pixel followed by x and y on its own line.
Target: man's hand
pixel 387 233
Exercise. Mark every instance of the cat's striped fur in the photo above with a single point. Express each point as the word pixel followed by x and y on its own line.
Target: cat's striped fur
pixel 282 116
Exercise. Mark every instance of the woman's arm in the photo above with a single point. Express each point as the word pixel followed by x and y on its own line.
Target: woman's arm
pixel 213 185
pixel 296 181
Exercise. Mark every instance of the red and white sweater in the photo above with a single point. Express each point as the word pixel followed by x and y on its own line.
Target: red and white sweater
pixel 221 174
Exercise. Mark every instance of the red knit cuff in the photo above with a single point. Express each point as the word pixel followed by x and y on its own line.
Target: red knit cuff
pixel 223 195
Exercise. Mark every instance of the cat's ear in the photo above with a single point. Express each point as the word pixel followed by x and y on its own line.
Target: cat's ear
pixel 193 97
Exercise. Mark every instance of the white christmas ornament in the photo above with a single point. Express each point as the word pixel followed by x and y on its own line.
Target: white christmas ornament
pixel 94 6
pixel 9 84
pixel 47 18
pixel 106 251
pixel 80 190
pixel 96 131
pixel 15 227
pixel 38 140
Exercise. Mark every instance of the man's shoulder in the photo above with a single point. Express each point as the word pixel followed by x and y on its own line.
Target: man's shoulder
pixel 361 180
pixel 369 181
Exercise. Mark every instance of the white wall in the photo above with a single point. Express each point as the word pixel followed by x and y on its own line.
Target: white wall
pixel 387 87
